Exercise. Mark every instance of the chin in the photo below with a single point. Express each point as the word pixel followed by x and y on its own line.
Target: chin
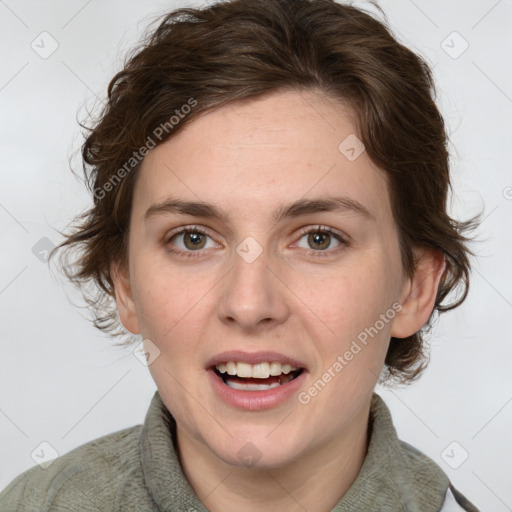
pixel 261 451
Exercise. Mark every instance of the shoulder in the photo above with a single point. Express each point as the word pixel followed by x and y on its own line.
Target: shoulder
pixel 82 479
pixel 415 457
pixel 454 501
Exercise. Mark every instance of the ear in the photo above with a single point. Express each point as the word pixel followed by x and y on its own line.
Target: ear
pixel 419 293
pixel 124 298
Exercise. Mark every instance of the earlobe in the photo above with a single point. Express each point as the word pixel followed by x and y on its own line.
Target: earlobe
pixel 124 298
pixel 420 293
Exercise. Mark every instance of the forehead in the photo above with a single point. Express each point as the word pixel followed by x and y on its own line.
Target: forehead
pixel 269 151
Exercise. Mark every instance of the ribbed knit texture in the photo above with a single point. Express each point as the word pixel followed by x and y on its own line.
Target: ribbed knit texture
pixel 137 469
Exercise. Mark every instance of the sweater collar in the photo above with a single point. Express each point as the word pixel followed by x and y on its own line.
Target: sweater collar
pixel 394 475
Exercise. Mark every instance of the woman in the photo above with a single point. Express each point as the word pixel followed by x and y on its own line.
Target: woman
pixel 269 182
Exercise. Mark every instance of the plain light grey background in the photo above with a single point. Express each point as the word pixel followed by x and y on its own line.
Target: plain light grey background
pixel 64 383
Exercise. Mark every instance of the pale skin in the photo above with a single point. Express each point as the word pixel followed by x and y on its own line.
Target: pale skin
pixel 249 159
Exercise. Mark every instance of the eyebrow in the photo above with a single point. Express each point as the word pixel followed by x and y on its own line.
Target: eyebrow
pixel 288 211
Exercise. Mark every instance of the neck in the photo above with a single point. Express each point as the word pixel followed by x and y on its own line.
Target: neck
pixel 317 480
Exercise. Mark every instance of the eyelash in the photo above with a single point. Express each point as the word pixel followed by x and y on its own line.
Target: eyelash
pixel 311 229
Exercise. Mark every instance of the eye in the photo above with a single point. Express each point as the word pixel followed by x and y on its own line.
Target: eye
pixel 190 239
pixel 320 238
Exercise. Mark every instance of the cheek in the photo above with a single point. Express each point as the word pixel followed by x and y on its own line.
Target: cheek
pixel 167 298
pixel 348 298
pixel 350 309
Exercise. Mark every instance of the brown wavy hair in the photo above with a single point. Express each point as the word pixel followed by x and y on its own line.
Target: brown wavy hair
pixel 241 49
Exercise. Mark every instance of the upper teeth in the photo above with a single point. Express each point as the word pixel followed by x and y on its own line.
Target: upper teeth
pixel 256 371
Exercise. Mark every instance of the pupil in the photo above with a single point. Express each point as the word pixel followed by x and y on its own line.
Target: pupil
pixel 316 238
pixel 195 239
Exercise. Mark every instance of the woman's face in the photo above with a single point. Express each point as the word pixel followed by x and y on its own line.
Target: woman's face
pixel 260 283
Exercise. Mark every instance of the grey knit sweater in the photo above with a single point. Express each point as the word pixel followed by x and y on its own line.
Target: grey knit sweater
pixel 137 469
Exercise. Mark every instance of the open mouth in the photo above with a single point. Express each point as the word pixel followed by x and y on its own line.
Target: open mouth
pixel 256 377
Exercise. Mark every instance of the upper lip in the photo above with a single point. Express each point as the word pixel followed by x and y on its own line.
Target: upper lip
pixel 239 356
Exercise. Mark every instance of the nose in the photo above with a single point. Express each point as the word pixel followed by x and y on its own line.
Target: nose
pixel 254 295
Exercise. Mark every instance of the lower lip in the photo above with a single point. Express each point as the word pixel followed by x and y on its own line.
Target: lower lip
pixel 256 400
